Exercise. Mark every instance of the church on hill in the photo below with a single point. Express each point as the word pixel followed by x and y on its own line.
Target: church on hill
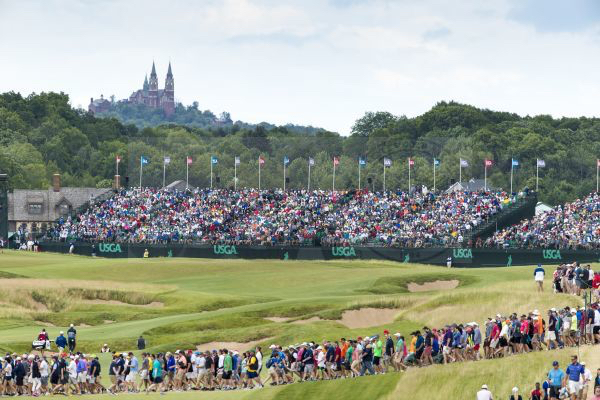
pixel 149 95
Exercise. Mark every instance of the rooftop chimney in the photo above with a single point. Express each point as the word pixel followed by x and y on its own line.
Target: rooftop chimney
pixel 56 182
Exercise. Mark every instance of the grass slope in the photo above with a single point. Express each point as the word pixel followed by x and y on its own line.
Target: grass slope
pixel 181 303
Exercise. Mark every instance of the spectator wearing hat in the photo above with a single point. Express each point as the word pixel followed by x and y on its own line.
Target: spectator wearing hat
pixel 484 393
pixel 556 377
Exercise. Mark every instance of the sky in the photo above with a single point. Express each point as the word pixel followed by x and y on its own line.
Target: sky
pixel 321 63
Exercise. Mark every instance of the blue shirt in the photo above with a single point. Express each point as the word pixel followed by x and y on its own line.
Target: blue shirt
pixel 574 371
pixel 556 376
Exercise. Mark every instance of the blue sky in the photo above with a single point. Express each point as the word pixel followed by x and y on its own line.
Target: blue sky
pixel 321 63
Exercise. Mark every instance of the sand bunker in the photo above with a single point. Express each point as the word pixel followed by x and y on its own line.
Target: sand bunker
pixel 109 321
pixel 435 285
pixel 308 321
pixel 368 317
pixel 230 345
pixel 278 319
pixel 154 304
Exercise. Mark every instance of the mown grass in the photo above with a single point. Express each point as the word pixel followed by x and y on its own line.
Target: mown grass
pixel 228 300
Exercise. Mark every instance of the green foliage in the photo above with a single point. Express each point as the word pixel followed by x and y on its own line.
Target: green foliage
pixel 42 134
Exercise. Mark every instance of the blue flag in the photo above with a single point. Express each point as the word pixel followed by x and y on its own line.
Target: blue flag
pixel 143 160
pixel 214 160
pixel 515 163
pixel 286 160
pixel 362 161
pixel 436 162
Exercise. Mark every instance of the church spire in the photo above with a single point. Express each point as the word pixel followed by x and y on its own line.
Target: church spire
pixel 146 86
pixel 153 73
pixel 169 72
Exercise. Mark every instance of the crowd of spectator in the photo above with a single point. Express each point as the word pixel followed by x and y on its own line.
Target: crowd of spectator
pixel 573 225
pixel 268 217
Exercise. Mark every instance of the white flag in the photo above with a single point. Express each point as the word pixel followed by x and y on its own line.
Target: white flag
pixel 167 160
pixel 311 161
pixel 464 163
pixel 387 162
pixel 541 163
pixel 237 160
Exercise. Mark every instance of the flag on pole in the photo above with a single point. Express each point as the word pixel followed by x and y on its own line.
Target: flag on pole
pixel 189 160
pixel 598 163
pixel 214 160
pixel 167 160
pixel 515 163
pixel 311 161
pixel 541 163
pixel 237 160
pixel 411 162
pixel 362 161
pixel 387 162
pixel 286 160
pixel 118 159
pixel 436 162
pixel 261 160
pixel 464 163
pixel 143 160
pixel 336 161
pixel 488 163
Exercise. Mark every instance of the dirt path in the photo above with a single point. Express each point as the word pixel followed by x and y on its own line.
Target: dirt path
pixel 368 317
pixel 231 345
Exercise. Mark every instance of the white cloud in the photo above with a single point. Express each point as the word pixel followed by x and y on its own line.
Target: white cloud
pixel 310 62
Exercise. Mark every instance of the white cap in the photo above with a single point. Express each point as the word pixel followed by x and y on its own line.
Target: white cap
pixel 272 346
pixel 582 363
pixel 515 389
pixel 397 334
pixel 484 386
pixel 62 333
pixel 553 309
pixel 71 325
pixel 319 348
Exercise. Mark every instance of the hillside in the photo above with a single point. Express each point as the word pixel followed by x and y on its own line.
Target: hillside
pixel 42 134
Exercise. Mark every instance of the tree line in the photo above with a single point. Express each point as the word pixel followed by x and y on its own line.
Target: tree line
pixel 41 134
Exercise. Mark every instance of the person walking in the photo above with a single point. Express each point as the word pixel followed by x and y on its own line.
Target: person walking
pixel 538 276
pixel 141 343
pixel 556 376
pixel 71 336
pixel 575 372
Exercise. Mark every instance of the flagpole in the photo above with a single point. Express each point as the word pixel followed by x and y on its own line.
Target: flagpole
pixel 512 167
pixel 434 175
pixel 359 174
pixel 597 169
pixel 187 172
pixel 537 175
pixel 459 171
pixel 383 176
pixel 211 171
pixel 485 176
pixel 309 175
pixel 284 176
pixel 259 174
pixel 117 168
pixel 141 169
pixel 409 175
pixel 234 175
pixel 333 184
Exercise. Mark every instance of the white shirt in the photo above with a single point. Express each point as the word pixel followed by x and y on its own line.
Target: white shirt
pixel 72 368
pixel 44 369
pixel 484 394
pixel 200 362
pixel 321 359
pixel 587 376
pixel 259 358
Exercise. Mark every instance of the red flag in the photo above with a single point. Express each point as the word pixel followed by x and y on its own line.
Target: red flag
pixel 189 161
pixel 336 161
pixel 261 160
pixel 118 159
pixel 598 163
pixel 488 163
pixel 411 162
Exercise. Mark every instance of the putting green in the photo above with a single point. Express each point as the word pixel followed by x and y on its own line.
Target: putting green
pixel 180 303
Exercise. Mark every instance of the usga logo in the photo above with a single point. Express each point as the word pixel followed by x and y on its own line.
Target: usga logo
pixel 343 251
pixel 109 248
pixel 462 253
pixel 551 254
pixel 224 249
